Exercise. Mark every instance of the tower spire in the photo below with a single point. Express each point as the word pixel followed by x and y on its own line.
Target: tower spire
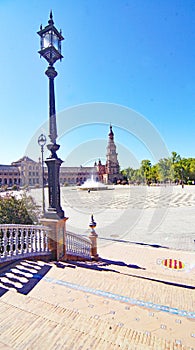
pixel 111 134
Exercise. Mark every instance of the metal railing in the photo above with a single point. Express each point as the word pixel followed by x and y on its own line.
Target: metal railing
pixel 77 245
pixel 18 241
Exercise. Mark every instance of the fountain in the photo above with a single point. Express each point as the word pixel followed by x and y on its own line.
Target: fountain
pixel 92 185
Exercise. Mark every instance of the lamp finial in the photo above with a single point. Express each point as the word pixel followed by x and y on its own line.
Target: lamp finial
pixel 51 18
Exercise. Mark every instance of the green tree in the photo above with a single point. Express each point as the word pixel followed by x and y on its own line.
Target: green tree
pixel 176 166
pixel 191 174
pixel 172 169
pixel 145 170
pixel 175 157
pixel 18 211
pixel 154 174
pixel 129 174
pixel 164 169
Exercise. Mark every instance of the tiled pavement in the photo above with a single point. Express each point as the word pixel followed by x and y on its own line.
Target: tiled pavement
pixel 154 215
pixel 128 300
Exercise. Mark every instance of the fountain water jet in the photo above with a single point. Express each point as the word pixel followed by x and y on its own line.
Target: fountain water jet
pixel 92 185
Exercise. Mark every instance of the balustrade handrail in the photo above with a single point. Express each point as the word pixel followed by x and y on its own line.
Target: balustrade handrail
pixel 25 226
pixel 18 241
pixel 77 245
pixel 76 235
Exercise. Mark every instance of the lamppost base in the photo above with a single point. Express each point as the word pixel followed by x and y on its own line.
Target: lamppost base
pixel 55 210
pixel 54 214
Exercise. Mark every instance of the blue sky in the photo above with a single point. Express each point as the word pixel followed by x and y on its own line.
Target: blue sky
pixel 134 53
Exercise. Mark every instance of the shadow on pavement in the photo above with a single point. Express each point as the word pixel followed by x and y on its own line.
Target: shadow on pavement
pixel 102 263
pixel 130 242
pixel 2 291
pixel 63 265
pixel 23 276
pixel 120 263
pixel 175 284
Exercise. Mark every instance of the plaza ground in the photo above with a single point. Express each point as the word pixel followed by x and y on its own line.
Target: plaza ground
pixel 127 300
pixel 140 214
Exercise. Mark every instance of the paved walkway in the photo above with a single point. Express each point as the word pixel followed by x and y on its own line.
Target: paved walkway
pixel 128 300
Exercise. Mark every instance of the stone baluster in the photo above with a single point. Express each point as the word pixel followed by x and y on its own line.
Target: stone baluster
pixel 1 242
pixel 28 240
pixel 5 240
pixel 24 240
pixel 41 240
pixel 14 234
pixel 33 234
pixel 20 240
pixel 11 242
pixel 45 241
pixel 39 232
pixel 36 241
pixel 16 240
pixel 8 243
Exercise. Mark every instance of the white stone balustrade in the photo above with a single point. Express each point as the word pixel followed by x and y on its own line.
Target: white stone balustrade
pixel 17 241
pixel 77 246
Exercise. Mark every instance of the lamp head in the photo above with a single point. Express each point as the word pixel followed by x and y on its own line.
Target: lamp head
pixel 42 140
pixel 50 42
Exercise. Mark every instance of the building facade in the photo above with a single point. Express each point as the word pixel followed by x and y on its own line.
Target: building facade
pixel 27 172
pixel 9 176
pixel 30 171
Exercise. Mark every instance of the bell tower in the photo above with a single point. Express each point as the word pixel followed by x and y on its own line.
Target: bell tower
pixel 112 164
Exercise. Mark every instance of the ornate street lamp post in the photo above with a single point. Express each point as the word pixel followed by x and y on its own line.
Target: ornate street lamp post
pixel 51 50
pixel 42 142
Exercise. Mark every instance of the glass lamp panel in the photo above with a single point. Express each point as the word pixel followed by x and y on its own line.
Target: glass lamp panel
pixel 55 40
pixel 47 40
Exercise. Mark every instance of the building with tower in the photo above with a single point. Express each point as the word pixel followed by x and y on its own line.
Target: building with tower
pixel 27 172
pixel 110 172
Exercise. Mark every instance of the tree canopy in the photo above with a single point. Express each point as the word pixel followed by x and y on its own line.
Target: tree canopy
pixel 173 169
pixel 18 211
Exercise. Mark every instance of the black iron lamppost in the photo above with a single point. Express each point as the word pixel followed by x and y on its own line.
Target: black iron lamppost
pixel 42 142
pixel 51 50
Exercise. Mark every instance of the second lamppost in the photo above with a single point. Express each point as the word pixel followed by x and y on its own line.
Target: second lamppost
pixel 51 50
